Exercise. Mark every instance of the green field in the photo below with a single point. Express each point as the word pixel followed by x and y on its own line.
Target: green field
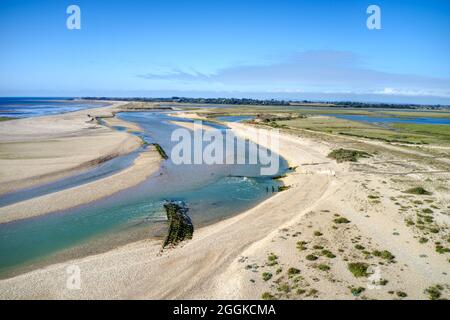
pixel 358 129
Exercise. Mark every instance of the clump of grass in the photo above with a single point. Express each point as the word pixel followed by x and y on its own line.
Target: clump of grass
pixel 283 188
pixel 267 296
pixel 383 282
pixel 293 272
pixel 300 291
pixel 348 155
pixel 434 292
pixel 427 210
pixel 323 267
pixel 311 257
pixel 386 255
pixel 312 292
pixel 284 287
pixel 441 249
pixel 423 240
pixel 357 291
pixel 419 191
pixel 341 220
pixel 373 197
pixel 434 230
pixel 272 257
pixel 358 269
pixel 328 254
pixel 272 260
pixel 266 276
pixel 359 247
pixel 318 233
pixel 401 294
pixel 301 245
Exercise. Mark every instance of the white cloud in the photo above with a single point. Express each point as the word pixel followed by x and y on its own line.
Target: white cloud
pixel 311 71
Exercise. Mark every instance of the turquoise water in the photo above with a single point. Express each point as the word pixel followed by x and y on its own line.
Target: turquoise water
pixel 211 192
pixel 103 170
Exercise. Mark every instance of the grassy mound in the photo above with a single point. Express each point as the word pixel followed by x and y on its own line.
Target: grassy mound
pixel 419 191
pixel 347 155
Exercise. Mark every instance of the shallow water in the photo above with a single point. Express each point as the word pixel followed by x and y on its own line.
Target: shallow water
pixel 34 107
pixel 389 120
pixel 213 192
pixel 235 118
pixel 103 170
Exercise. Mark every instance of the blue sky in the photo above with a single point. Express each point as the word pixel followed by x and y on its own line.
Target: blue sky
pixel 320 50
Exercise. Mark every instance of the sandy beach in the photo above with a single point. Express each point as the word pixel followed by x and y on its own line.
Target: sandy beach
pixel 42 149
pixel 299 244
pixel 48 148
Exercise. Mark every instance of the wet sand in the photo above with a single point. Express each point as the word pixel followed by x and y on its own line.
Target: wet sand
pixel 40 150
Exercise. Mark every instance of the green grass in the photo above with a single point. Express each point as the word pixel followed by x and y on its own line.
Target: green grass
pixel 301 245
pixel 328 254
pixel 341 220
pixel 423 240
pixel 266 276
pixel 357 129
pixel 311 257
pixel 358 269
pixel 386 255
pixel 293 272
pixel 323 267
pixel 272 257
pixel 321 120
pixel 348 155
pixel 434 292
pixel 267 296
pixel 418 191
pixel 5 119
pixel 432 131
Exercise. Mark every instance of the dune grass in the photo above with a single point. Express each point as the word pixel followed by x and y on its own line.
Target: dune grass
pixel 347 155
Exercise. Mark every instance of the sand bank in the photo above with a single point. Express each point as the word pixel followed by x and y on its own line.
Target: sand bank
pixel 38 150
pixel 190 269
pixel 146 164
pixel 190 125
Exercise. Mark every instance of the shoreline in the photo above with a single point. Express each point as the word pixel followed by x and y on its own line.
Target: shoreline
pixel 146 164
pixel 39 150
pixel 184 251
pixel 224 260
